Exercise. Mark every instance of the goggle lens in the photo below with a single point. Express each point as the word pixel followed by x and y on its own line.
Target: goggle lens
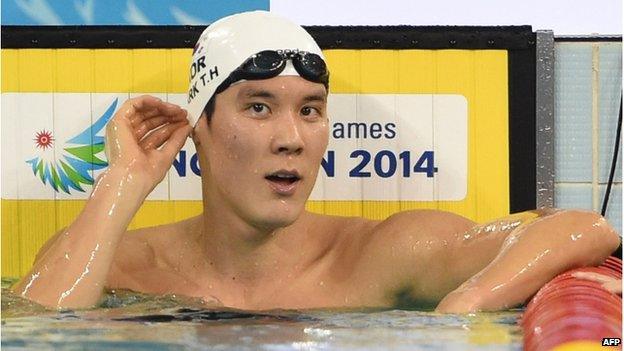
pixel 267 64
pixel 267 60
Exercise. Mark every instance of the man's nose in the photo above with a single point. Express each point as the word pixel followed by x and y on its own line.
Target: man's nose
pixel 287 137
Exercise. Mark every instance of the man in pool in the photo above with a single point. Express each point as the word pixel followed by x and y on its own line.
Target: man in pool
pixel 258 118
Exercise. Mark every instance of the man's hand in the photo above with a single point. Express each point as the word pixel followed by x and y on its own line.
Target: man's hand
pixel 136 132
pixel 610 284
pixel 458 302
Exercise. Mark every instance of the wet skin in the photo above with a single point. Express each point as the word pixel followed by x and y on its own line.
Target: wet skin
pixel 255 247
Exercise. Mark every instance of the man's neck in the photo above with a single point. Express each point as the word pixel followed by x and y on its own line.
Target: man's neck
pixel 242 254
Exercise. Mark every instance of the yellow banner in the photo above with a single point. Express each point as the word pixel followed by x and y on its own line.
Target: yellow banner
pixel 479 75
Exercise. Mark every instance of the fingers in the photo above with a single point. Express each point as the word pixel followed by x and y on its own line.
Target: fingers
pixel 596 277
pixel 146 113
pixel 153 123
pixel 608 283
pixel 614 286
pixel 159 136
pixel 144 107
pixel 148 125
pixel 148 103
pixel 176 142
pixel 163 109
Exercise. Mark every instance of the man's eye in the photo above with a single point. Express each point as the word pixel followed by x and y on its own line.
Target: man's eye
pixel 307 111
pixel 259 108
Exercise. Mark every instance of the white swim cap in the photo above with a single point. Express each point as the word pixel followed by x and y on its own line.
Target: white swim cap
pixel 230 41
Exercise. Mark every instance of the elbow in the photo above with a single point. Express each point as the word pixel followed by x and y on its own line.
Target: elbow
pixel 588 236
pixel 606 237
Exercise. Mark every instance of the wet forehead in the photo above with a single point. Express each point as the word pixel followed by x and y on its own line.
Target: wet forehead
pixel 283 89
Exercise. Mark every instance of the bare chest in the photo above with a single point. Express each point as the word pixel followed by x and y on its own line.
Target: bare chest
pixel 317 289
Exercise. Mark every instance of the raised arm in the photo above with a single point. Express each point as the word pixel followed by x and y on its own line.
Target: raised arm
pixel 70 270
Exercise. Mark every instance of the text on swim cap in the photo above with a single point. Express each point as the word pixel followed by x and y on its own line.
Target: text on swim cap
pixel 196 68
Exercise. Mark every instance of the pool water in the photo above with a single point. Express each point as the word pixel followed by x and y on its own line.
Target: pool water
pixel 128 320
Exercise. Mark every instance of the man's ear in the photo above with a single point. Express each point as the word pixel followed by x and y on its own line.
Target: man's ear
pixel 195 138
pixel 200 129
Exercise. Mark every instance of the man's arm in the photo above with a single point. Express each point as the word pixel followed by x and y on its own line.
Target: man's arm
pixel 71 269
pixel 530 256
pixel 423 256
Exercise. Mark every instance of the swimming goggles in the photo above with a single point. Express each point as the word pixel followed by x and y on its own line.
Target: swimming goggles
pixel 268 64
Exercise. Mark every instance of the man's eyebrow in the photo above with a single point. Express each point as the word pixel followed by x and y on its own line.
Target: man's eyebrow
pixel 315 97
pixel 254 93
pixel 261 93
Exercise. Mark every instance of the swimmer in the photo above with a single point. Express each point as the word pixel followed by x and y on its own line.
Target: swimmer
pixel 257 114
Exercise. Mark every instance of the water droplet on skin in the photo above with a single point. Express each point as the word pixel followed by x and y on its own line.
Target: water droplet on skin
pixel 490 228
pixel 575 237
pixel 33 277
pixel 429 244
pixel 321 283
pixel 110 212
pixel 66 256
pixel 599 222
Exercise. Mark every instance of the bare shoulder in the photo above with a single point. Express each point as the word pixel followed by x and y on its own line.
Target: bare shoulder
pixel 423 222
pixel 418 233
pixel 359 234
pixel 406 247
pixel 378 261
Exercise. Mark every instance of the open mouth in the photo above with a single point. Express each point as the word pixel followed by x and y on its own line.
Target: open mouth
pixel 283 181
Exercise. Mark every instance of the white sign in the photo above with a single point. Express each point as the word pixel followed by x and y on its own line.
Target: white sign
pixel 382 147
pixel 395 147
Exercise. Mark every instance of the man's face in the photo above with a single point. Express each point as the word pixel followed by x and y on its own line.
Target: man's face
pixel 264 146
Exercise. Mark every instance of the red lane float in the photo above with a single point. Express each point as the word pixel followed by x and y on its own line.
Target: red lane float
pixel 568 311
